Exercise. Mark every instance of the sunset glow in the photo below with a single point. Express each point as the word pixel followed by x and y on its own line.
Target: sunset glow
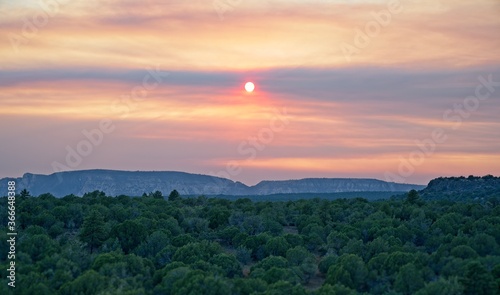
pixel 249 87
pixel 342 88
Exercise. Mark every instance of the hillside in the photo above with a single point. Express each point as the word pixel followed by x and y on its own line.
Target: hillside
pixel 328 185
pixel 462 188
pixel 135 183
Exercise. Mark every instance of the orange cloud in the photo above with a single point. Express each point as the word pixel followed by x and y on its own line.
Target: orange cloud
pixel 354 116
pixel 190 36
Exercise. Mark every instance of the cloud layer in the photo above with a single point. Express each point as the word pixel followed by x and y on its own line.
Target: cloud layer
pixel 170 77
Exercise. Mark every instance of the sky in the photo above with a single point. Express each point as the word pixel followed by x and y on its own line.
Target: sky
pixel 403 91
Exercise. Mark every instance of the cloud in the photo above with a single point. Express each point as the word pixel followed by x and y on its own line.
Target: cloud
pixel 67 77
pixel 190 36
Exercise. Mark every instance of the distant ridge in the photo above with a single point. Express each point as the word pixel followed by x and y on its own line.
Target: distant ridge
pixel 462 188
pixel 135 183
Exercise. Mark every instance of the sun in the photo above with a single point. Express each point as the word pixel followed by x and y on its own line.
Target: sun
pixel 249 87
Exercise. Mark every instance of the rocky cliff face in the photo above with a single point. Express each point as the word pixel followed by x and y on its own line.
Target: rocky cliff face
pixel 328 185
pixel 136 183
pixel 124 182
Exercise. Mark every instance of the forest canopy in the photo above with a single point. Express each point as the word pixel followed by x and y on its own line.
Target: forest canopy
pixel 155 244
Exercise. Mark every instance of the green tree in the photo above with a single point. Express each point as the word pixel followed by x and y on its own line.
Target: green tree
pixel 243 255
pixel 157 195
pixel 442 286
pixel 130 234
pixel 284 287
pixel 197 282
pixel 396 260
pixel 307 269
pixel 195 225
pixel 338 289
pixel 37 246
pixel 350 271
pixel 326 262
pixel 218 216
pixel 277 246
pixel 257 245
pixel 275 274
pixel 153 244
pixel 169 277
pixel 484 244
pixel 228 263
pixel 174 195
pixel 248 286
pixel 478 280
pixel 87 284
pixel 496 274
pixel 24 193
pixel 271 261
pixel 412 197
pixel 297 255
pixel 32 283
pixel 409 279
pixel 193 252
pixel 93 230
pixel 464 252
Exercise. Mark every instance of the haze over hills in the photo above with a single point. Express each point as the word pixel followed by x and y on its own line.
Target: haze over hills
pixel 135 183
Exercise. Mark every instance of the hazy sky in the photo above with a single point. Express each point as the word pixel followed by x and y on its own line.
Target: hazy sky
pixel 396 90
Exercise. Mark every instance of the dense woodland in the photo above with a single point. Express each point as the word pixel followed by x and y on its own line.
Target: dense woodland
pixel 472 188
pixel 155 244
